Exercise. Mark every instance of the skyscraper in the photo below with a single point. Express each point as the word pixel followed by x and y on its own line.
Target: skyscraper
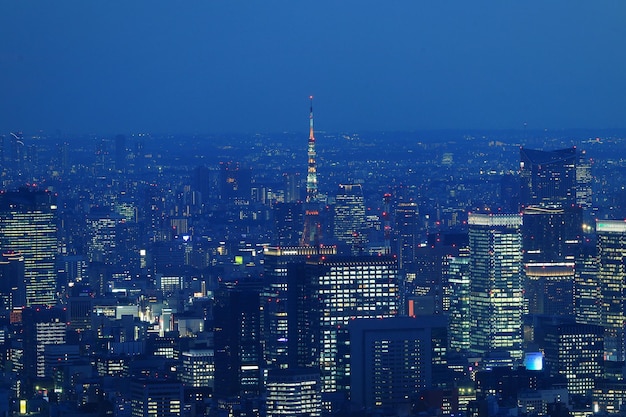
pixel 552 233
pixel 496 292
pixel 459 322
pixel 550 288
pixel 285 302
pixel 28 226
pixel 392 359
pixel 575 350
pixel 237 341
pixel 12 289
pixel 349 288
pixel 611 236
pixel 548 177
pixel 407 228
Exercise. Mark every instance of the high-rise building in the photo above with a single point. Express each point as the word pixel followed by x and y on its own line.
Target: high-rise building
pixel 584 179
pixel 551 233
pixel 237 330
pixel 12 288
pixel 407 229
pixel 496 291
pixel 394 358
pixel 349 221
pixel 292 187
pixel 349 288
pixel 103 236
pixel 549 288
pixel 293 392
pixel 576 351
pixel 203 182
pixel 587 292
pixel 28 226
pixel 459 284
pixel 288 221
pixel 286 317
pixel 611 235
pixel 41 327
pixel 548 177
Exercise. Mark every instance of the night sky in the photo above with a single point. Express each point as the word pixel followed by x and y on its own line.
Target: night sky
pixel 213 66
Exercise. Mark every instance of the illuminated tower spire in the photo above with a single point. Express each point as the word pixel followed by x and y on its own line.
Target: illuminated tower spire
pixel 312 227
pixel 311 176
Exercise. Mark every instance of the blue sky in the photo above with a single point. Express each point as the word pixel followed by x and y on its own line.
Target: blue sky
pixel 248 66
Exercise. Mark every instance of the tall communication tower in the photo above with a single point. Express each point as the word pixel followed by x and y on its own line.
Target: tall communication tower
pixel 312 227
pixel 311 175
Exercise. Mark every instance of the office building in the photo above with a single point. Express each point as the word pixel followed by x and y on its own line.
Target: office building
pixel 407 232
pixel 394 358
pixel 575 351
pixel 349 288
pixel 552 234
pixel 349 220
pixel 584 179
pixel 288 223
pixel 548 177
pixel 587 291
pixel 198 368
pixel 237 330
pixel 12 286
pixel 550 288
pixel 291 181
pixel 38 327
pixel 459 285
pixel 28 226
pixel 611 235
pixel 158 397
pixel 609 396
pixel 496 292
pixel 102 226
pixel 286 316
pixel 293 393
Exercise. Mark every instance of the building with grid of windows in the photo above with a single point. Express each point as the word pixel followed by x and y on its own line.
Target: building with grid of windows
pixel 611 235
pixel 293 392
pixel 349 288
pixel 285 312
pixel 156 397
pixel 28 226
pixel 198 367
pixel 395 358
pixel 457 276
pixel 575 351
pixel 496 288
pixel 548 177
pixel 550 288
pixel 349 223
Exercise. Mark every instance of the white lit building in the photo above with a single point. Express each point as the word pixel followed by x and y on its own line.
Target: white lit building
pixel 294 393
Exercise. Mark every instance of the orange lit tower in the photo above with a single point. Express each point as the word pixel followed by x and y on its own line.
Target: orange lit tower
pixel 312 228
pixel 311 175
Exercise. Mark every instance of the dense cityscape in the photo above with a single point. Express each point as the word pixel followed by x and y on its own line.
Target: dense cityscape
pixel 432 273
